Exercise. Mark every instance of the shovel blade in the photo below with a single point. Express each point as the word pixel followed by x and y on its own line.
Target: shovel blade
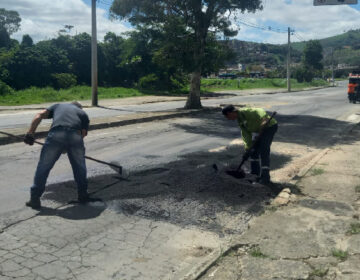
pixel 236 174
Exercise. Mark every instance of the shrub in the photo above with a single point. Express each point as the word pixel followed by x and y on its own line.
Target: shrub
pixel 5 89
pixel 150 81
pixel 64 80
pixel 304 74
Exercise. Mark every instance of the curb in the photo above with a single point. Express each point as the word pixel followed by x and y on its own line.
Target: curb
pixel 102 125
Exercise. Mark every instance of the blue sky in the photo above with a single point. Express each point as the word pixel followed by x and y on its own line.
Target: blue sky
pixel 42 19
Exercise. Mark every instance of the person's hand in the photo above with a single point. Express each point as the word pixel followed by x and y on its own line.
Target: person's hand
pixel 29 139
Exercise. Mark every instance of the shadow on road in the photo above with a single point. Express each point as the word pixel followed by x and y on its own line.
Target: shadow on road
pixel 187 192
pixel 74 212
pixel 316 132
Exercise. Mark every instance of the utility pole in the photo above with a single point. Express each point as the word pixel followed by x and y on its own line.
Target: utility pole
pixel 94 67
pixel 288 74
pixel 332 67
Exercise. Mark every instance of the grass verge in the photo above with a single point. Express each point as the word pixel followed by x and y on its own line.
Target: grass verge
pixel 223 84
pixel 35 95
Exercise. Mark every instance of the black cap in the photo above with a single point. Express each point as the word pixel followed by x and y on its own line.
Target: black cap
pixel 228 109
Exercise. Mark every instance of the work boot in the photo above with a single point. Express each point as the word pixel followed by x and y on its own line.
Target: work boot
pixel 264 181
pixel 34 203
pixel 83 199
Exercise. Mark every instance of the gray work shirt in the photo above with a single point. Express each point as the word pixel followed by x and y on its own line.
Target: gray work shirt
pixel 68 115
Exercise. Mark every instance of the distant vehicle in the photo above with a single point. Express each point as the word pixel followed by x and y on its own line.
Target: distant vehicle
pixel 354 87
pixel 227 76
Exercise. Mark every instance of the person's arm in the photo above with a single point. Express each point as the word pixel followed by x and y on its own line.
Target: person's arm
pixel 84 133
pixel 29 137
pixel 247 138
pixel 37 120
pixel 85 125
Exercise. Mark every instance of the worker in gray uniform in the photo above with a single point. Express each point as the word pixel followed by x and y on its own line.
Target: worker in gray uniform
pixel 70 125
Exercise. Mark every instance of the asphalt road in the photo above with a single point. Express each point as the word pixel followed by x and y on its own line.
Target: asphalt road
pixel 143 145
pixel 173 194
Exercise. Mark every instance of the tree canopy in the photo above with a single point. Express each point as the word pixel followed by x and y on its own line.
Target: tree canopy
pixel 9 20
pixel 313 55
pixel 188 21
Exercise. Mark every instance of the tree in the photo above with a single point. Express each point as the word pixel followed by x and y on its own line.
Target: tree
pixel 197 16
pixel 313 55
pixel 27 41
pixel 9 20
pixel 5 40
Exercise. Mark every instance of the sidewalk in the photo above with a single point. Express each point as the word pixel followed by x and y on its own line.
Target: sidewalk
pixel 316 236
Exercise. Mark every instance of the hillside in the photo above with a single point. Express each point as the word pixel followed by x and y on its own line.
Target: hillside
pixel 341 49
pixel 348 39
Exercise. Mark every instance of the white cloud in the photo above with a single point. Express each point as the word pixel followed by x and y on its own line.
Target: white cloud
pixel 42 19
pixel 308 21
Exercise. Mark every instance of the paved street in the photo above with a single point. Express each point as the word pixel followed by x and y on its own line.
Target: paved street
pixel 176 212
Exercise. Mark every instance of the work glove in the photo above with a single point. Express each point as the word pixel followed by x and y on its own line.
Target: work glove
pixel 29 139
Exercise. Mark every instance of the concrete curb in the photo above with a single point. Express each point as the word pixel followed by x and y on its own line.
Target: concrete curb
pixel 112 123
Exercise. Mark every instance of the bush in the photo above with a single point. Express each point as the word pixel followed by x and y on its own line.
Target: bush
pixel 64 80
pixel 150 81
pixel 304 74
pixel 5 89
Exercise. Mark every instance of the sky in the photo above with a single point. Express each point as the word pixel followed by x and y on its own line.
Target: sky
pixel 42 19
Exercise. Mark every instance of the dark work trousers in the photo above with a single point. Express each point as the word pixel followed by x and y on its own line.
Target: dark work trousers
pixel 260 157
pixel 58 140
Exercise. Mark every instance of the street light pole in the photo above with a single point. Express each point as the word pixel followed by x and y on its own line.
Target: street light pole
pixel 94 64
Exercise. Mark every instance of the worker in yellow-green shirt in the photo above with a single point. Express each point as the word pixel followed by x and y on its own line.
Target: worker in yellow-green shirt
pixel 251 122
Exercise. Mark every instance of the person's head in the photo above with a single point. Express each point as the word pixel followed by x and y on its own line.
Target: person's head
pixel 77 104
pixel 230 112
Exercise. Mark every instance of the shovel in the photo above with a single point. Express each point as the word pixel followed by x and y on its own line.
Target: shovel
pixel 117 168
pixel 239 173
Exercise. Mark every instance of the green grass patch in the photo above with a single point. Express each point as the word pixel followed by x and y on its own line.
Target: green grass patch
pixel 271 208
pixel 316 171
pixel 339 254
pixel 212 85
pixel 319 272
pixel 256 253
pixel 354 228
pixel 35 95
pixel 357 189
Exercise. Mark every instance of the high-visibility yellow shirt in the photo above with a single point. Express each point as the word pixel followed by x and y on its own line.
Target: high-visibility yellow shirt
pixel 250 120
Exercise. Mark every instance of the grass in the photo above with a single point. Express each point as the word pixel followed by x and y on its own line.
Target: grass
pixel 357 189
pixel 339 254
pixel 247 83
pixel 317 171
pixel 319 272
pixel 35 95
pixel 256 253
pixel 354 228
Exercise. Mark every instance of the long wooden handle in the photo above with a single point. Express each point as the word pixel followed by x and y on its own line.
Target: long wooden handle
pixel 87 157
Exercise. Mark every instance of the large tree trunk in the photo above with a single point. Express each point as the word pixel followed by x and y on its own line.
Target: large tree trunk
pixel 193 101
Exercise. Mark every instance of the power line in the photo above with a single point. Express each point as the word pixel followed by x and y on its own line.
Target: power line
pixel 263 27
